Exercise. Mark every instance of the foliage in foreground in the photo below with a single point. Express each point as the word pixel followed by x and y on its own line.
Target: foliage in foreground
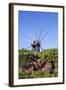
pixel 37 74
pixel 46 55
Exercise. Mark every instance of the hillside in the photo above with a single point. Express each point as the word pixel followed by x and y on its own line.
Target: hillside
pixel 36 65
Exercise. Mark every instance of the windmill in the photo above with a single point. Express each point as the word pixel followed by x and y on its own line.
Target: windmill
pixel 36 44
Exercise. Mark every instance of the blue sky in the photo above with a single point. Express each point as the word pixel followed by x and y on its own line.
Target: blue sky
pixel 32 23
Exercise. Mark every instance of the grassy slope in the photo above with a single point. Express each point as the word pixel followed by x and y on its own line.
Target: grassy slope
pixel 46 55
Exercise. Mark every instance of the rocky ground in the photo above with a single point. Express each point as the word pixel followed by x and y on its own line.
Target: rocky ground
pixel 38 65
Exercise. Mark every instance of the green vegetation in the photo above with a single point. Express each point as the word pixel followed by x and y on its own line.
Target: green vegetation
pixel 47 55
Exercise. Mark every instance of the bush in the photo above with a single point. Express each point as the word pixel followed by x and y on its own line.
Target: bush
pixel 46 55
pixel 23 75
pixel 37 74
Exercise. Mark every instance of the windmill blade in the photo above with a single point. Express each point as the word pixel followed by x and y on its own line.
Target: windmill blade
pixel 27 47
pixel 40 34
pixel 47 41
pixel 36 35
pixel 31 36
pixel 27 41
pixel 43 36
pixel 42 48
